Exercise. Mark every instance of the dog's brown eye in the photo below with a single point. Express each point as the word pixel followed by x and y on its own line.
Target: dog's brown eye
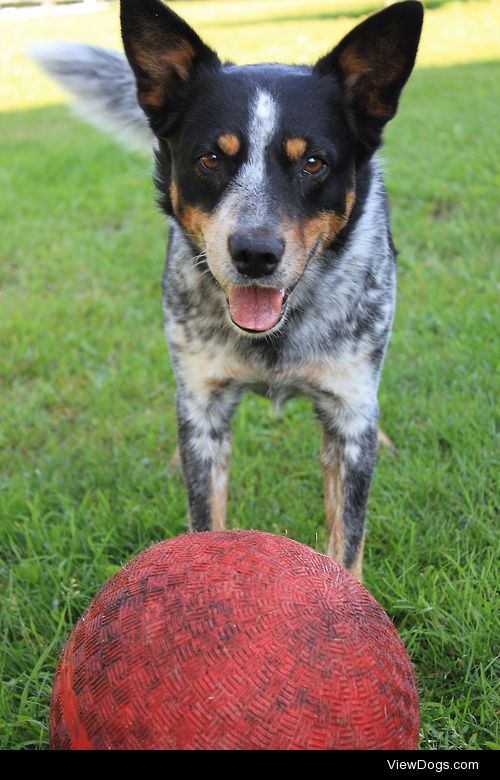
pixel 314 165
pixel 210 161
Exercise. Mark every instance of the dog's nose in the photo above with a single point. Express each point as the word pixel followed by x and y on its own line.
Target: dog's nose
pixel 256 254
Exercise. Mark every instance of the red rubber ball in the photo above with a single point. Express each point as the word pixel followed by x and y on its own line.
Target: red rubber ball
pixel 234 640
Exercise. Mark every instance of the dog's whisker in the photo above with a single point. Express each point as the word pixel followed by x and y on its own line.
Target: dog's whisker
pixel 193 262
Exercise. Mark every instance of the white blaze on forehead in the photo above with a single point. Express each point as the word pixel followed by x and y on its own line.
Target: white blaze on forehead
pixel 263 125
pixel 244 204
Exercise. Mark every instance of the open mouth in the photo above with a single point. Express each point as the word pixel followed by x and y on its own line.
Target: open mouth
pixel 256 309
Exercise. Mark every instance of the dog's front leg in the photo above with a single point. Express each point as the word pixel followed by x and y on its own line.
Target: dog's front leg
pixel 348 461
pixel 204 438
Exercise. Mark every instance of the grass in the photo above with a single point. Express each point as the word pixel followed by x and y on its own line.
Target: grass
pixel 87 413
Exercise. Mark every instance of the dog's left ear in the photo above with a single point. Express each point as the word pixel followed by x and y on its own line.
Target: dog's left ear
pixel 165 54
pixel 374 62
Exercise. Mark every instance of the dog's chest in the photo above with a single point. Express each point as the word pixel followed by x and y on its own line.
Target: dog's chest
pixel 209 367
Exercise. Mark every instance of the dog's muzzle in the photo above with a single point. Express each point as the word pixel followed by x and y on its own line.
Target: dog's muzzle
pixel 256 256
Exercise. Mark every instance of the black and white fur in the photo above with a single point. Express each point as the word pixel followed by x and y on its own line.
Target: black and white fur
pixel 280 157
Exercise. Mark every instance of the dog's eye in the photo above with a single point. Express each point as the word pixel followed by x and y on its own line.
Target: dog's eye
pixel 210 161
pixel 314 165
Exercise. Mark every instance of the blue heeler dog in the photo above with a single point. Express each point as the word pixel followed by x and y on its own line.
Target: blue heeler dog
pixel 280 276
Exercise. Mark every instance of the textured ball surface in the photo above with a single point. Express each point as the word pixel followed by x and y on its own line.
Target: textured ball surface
pixel 234 640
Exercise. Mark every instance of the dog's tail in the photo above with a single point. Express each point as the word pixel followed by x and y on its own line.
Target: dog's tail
pixel 103 86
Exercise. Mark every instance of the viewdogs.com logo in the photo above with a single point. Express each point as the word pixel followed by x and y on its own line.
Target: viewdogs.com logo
pixel 436 766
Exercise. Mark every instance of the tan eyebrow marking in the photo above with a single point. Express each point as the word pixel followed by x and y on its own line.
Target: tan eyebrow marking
pixel 229 143
pixel 295 148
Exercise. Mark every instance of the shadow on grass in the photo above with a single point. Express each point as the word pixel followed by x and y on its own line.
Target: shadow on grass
pixel 339 13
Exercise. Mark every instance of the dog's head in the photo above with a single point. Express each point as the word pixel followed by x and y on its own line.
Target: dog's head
pixel 260 164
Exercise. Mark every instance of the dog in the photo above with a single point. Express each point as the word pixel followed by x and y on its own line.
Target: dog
pixel 280 274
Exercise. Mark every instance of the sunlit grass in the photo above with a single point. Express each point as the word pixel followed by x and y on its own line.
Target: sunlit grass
pixel 271 31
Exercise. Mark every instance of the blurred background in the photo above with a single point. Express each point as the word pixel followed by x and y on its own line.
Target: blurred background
pixel 87 419
pixel 251 31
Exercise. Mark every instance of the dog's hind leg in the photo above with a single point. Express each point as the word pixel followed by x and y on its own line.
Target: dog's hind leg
pixel 385 443
pixel 174 462
pixel 204 437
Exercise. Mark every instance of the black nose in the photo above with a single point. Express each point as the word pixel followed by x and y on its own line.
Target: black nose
pixel 256 254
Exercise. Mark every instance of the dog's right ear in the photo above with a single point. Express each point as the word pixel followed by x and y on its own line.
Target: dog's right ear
pixel 165 53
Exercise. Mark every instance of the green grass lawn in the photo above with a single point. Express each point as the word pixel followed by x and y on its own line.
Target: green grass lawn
pixel 87 396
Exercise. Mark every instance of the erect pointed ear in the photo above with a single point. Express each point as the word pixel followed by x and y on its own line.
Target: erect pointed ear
pixel 374 62
pixel 164 53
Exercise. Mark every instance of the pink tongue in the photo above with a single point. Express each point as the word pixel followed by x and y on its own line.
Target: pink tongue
pixel 255 308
